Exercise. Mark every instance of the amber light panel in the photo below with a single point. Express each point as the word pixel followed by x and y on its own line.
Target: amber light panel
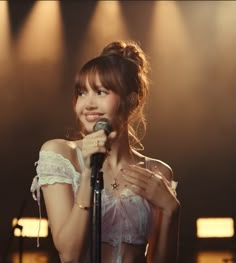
pixel 31 227
pixel 215 227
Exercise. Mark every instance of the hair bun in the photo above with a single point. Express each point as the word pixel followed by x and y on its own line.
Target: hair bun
pixel 129 50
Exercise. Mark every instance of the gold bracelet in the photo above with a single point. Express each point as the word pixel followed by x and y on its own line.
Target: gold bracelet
pixel 82 207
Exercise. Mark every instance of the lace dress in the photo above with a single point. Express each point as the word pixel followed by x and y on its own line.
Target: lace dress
pixel 126 219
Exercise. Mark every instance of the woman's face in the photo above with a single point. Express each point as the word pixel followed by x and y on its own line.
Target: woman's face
pixel 95 103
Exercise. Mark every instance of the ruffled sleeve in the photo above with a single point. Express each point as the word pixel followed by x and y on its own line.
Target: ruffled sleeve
pixel 53 168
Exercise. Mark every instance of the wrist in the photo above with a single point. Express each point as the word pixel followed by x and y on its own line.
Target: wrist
pixel 86 172
pixel 172 211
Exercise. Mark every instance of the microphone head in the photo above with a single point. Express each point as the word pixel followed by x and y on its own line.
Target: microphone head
pixel 103 124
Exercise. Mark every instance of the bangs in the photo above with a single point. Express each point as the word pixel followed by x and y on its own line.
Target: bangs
pixel 107 69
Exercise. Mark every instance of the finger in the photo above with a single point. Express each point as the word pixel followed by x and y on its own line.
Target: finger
pixel 137 171
pixel 110 139
pixel 135 180
pixel 100 139
pixel 132 179
pixel 93 145
pixel 132 174
pixel 161 175
pixel 112 135
pixel 147 192
pixel 137 190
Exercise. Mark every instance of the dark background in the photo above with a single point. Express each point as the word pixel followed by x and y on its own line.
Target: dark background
pixel 190 113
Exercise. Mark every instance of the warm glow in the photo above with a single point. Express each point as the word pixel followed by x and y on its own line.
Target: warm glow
pixel 215 227
pixel 30 256
pixel 41 36
pixel 171 43
pixel 4 31
pixel 107 22
pixel 169 33
pixel 31 227
pixel 106 25
pixel 214 257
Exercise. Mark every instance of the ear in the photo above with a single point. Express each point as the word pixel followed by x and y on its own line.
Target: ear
pixel 132 100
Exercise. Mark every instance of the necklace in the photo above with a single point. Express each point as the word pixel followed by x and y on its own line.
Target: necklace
pixel 115 185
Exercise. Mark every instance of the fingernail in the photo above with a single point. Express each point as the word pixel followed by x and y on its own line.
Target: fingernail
pixel 123 171
pixel 140 163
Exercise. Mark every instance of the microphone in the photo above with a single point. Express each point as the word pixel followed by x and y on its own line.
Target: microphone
pixel 97 159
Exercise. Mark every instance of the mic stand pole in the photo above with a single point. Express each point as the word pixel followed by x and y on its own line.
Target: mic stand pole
pixel 98 188
pixel 21 238
pixel 96 165
pixel 92 186
pixel 21 242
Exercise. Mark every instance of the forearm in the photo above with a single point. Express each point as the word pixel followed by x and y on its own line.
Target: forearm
pixel 166 250
pixel 72 239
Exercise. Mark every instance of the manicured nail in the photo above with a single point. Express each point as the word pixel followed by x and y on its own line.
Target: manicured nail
pixel 140 163
pixel 123 171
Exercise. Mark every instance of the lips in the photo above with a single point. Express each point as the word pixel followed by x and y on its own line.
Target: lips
pixel 92 117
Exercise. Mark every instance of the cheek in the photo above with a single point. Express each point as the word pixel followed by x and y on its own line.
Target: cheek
pixel 77 108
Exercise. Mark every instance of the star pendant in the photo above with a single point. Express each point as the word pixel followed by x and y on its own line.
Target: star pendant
pixel 115 185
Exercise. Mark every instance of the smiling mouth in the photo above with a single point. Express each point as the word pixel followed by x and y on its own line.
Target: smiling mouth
pixel 92 117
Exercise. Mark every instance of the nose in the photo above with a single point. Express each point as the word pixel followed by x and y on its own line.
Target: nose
pixel 91 102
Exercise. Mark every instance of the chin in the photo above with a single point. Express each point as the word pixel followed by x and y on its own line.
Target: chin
pixel 89 128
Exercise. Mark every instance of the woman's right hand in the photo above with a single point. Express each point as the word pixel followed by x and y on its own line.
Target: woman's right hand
pixel 96 142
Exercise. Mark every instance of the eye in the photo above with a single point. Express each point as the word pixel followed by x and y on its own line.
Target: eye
pixel 102 92
pixel 81 92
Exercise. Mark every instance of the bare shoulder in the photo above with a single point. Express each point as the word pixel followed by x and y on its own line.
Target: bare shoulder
pixel 55 145
pixel 60 146
pixel 162 167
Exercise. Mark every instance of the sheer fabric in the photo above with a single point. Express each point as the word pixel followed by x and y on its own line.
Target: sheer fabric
pixel 126 218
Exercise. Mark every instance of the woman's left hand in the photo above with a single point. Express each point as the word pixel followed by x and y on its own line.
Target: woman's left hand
pixel 154 187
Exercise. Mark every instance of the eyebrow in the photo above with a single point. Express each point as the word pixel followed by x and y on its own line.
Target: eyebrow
pixel 98 86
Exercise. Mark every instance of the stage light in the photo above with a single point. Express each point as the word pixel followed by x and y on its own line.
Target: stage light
pixel 41 36
pixel 5 42
pixel 99 32
pixel 30 227
pixel 107 13
pixel 167 34
pixel 215 227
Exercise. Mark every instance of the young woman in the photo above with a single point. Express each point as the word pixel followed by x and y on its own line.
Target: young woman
pixel 140 211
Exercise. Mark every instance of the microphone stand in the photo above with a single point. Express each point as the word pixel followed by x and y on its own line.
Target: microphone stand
pixel 96 187
pixel 92 186
pixel 95 236
pixel 98 215
pixel 21 238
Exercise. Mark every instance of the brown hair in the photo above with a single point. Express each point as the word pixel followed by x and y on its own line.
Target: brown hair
pixel 122 67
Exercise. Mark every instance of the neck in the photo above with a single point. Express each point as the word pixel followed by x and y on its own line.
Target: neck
pixel 120 153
